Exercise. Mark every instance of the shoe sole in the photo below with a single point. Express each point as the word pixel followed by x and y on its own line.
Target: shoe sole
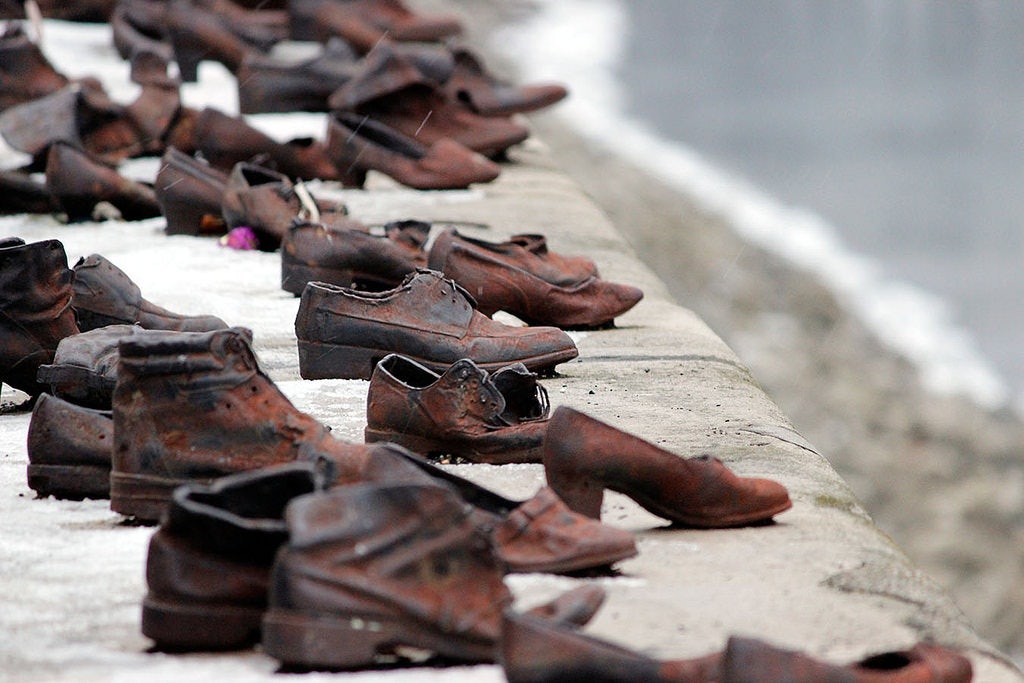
pixel 70 482
pixel 319 360
pixel 144 497
pixel 178 627
pixel 424 445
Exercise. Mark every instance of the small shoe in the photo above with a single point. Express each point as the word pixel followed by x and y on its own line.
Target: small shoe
pixel 105 295
pixel 464 412
pixel 190 192
pixel 365 23
pixel 351 257
pixel 343 333
pixel 584 456
pixel 357 144
pixel 69 450
pixel 79 183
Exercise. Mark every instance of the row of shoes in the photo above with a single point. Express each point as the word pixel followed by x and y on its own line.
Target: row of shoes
pixel 334 555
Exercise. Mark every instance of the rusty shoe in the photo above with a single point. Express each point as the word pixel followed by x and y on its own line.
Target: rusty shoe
pixel 370 569
pixel 190 192
pixel 499 283
pixel 473 85
pixel 365 23
pixel 497 418
pixel 351 257
pixel 69 450
pixel 105 295
pixel 537 651
pixel 84 368
pixel 584 456
pixel 747 660
pixel 343 333
pixel 268 84
pixel 25 72
pixel 79 183
pixel 35 309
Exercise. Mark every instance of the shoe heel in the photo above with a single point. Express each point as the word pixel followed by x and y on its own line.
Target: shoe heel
pixel 70 482
pixel 305 642
pixel 294 276
pixel 334 361
pixel 140 496
pixel 182 627
pixel 581 494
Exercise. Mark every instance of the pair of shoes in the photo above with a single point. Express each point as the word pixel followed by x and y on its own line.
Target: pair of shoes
pixel 524 279
pixel 271 550
pixel 366 23
pixel 537 651
pixel 344 333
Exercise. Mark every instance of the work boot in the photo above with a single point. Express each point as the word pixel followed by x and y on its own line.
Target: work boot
pixel 105 295
pixel 371 569
pixel 35 309
pixel 69 450
pixel 584 456
pixel 193 406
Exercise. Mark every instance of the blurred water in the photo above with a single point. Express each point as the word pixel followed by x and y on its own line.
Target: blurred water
pixel 899 122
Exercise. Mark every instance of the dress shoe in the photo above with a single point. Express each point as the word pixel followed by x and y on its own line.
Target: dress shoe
pixel 343 333
pixel 269 84
pixel 35 309
pixel 226 140
pixel 350 257
pixel 370 569
pixel 79 183
pixel 69 450
pixel 584 456
pixel 190 192
pixel 365 23
pixel 389 88
pixel 268 203
pixel 473 85
pixel 25 72
pixel 105 295
pixel 20 193
pixel 537 651
pixel 357 144
pixel 464 412
pixel 528 252
pixel 747 660
pixel 500 284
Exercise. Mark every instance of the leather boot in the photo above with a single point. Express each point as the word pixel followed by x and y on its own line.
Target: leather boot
pixel 536 651
pixel 365 23
pixel 190 192
pixel 79 183
pixel 35 309
pixel 747 660
pixel 69 450
pixel 25 73
pixel 371 568
pixel 583 457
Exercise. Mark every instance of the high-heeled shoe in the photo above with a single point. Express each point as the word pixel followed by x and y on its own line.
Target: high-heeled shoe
pixel 584 456
pixel 190 191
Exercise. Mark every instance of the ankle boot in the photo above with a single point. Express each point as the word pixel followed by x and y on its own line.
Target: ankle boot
pixel 25 73
pixel 193 406
pixel 35 309
pixel 370 569
pixel 583 457
pixel 190 192
pixel 69 450
pixel 105 295
pixel 79 183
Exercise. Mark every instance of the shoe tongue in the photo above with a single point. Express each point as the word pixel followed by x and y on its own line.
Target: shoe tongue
pixel 524 398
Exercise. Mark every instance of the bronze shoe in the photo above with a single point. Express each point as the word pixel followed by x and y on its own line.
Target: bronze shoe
pixel 473 85
pixel 358 144
pixel 584 456
pixel 190 192
pixel 25 72
pixel 350 257
pixel 35 309
pixel 79 183
pixel 84 368
pixel 747 660
pixel 21 193
pixel 464 412
pixel 372 568
pixel 268 84
pixel 226 140
pixel 69 450
pixel 343 333
pixel 365 23
pixel 537 651
pixel 105 295
pixel 500 284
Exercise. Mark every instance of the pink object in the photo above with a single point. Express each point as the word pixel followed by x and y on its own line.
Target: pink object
pixel 242 238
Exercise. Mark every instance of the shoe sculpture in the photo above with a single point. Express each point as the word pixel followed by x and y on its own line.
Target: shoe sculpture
pixel 357 144
pixel 25 72
pixel 500 281
pixel 352 257
pixel 473 85
pixel 343 333
pixel 35 309
pixel 536 651
pixel 84 368
pixel 268 84
pixel 105 295
pixel 747 660
pixel 69 450
pixel 370 569
pixel 365 23
pixel 190 192
pixel 79 183
pixel 584 456
pixel 20 193
pixel 267 203
pixel 497 418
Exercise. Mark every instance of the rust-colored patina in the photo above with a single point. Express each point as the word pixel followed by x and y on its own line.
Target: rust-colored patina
pixel 583 456
pixel 366 23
